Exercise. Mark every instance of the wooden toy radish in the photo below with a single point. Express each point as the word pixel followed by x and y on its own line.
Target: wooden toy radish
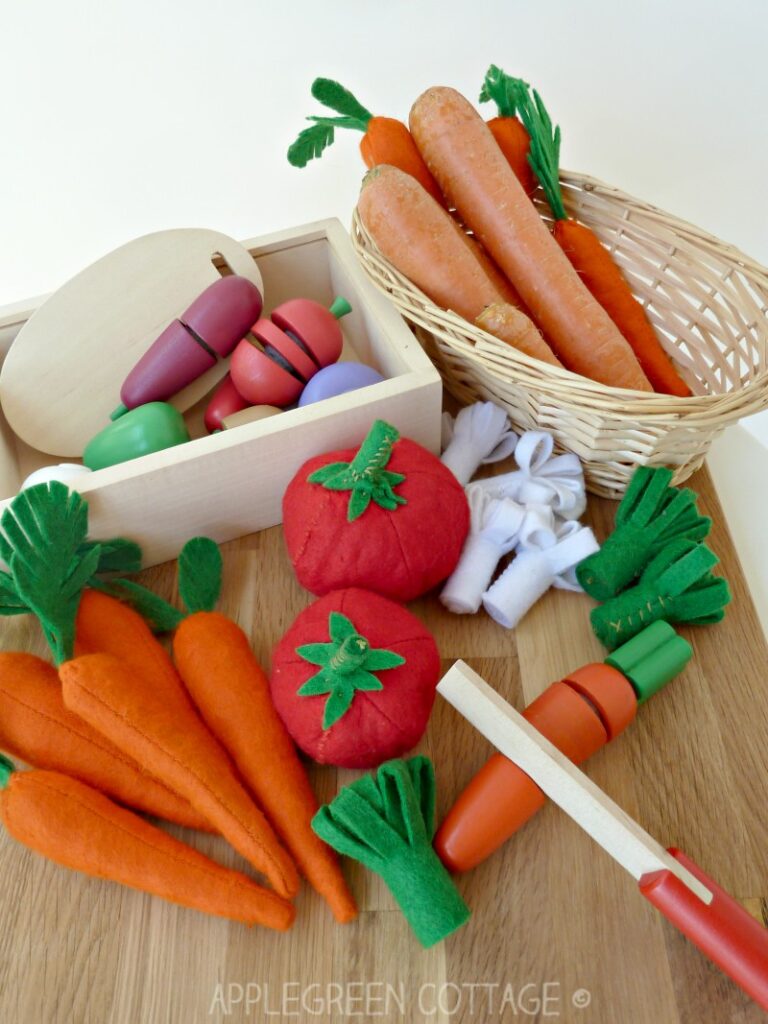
pixel 296 340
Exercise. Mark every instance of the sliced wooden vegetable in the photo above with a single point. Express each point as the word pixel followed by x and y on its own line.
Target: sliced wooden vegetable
pixel 80 828
pixel 37 728
pixel 385 140
pixel 516 329
pixel 425 244
pixel 475 177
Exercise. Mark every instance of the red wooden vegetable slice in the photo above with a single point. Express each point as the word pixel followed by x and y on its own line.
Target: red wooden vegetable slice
pixel 261 380
pixel 388 517
pixel 354 679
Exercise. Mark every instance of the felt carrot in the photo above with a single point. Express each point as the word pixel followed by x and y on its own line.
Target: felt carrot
pixel 512 326
pixel 587 254
pixel 425 244
pixel 80 828
pixel 385 140
pixel 508 130
pixel 461 152
pixel 44 528
pixel 36 727
pixel 231 692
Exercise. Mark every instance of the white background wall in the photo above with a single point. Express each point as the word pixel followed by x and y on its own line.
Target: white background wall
pixel 126 116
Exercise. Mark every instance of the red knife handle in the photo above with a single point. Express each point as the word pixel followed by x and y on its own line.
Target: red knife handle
pixel 722 929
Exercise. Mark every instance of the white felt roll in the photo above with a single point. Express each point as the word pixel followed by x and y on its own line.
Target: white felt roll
pixel 480 433
pixel 464 589
pixel 527 578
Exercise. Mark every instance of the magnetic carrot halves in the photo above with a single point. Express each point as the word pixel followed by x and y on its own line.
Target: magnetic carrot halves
pixel 170 739
pixel 385 140
pixel 36 727
pixel 232 695
pixel 78 827
pixel 473 174
pixel 589 257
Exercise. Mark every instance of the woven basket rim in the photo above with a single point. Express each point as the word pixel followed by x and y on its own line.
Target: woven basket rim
pixel 714 409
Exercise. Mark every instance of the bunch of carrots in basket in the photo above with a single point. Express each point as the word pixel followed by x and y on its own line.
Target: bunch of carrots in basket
pixel 449 202
pixel 117 727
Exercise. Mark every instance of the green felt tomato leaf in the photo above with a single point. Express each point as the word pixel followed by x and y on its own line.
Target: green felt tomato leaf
pixel 337 706
pixel 316 685
pixel 340 627
pixel 316 654
pixel 380 659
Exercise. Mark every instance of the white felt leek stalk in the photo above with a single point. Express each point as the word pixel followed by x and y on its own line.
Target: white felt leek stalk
pixel 481 433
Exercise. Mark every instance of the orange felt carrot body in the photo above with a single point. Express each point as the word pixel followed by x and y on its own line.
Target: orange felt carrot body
pixel 231 692
pixel 425 244
pixel 385 139
pixel 80 828
pixel 510 133
pixel 37 728
pixel 510 325
pixel 173 743
pixel 588 255
pixel 472 172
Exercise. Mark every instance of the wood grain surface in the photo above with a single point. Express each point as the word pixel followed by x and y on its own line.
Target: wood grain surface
pixel 558 930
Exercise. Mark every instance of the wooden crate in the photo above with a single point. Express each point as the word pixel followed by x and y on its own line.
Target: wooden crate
pixel 232 483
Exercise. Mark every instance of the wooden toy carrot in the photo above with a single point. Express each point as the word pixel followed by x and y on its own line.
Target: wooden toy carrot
pixel 36 727
pixel 461 152
pixel 587 254
pixel 231 692
pixel 507 128
pixel 425 244
pixel 44 528
pixel 80 828
pixel 385 140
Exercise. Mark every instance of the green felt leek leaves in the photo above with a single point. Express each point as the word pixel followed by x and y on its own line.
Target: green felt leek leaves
pixel 44 532
pixel 386 821
pixel 347 665
pixel 312 142
pixel 677 586
pixel 651 514
pixel 366 476
pixel 200 574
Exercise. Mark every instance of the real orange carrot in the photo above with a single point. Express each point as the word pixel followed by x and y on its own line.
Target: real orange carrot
pixel 170 739
pixel 424 243
pixel 37 728
pixel 510 133
pixel 78 827
pixel 589 257
pixel 473 174
pixel 231 692
pixel 510 325
pixel 385 139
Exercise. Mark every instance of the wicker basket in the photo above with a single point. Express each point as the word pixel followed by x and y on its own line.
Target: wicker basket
pixel 706 300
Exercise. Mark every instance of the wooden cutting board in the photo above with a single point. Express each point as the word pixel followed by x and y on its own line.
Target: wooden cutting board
pixel 553 915
pixel 62 376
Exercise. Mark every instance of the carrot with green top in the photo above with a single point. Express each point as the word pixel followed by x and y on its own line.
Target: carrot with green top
pixel 588 256
pixel 79 828
pixel 43 530
pixel 37 728
pixel 507 128
pixel 385 140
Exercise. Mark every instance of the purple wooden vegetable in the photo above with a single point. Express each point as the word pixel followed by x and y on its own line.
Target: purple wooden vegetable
pixel 337 379
pixel 209 329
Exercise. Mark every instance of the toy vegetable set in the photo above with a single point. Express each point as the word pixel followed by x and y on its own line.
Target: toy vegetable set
pixel 214 363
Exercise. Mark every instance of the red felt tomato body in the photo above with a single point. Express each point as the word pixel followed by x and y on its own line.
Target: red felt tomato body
pixel 400 553
pixel 380 724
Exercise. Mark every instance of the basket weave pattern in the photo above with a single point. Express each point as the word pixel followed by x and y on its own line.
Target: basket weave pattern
pixel 706 300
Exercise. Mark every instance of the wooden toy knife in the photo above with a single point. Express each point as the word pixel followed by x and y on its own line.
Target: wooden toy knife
pixel 671 881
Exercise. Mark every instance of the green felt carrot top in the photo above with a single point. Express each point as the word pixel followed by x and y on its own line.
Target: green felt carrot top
pixel 366 476
pixel 501 89
pixel 651 514
pixel 387 821
pixel 347 665
pixel 677 586
pixel 313 141
pixel 44 544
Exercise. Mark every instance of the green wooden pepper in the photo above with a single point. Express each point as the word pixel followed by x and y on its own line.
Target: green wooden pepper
pixel 148 428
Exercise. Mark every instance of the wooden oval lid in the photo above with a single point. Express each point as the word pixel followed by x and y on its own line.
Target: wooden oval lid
pixel 61 378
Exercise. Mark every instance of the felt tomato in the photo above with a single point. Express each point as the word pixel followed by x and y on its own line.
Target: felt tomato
pixel 389 517
pixel 354 679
